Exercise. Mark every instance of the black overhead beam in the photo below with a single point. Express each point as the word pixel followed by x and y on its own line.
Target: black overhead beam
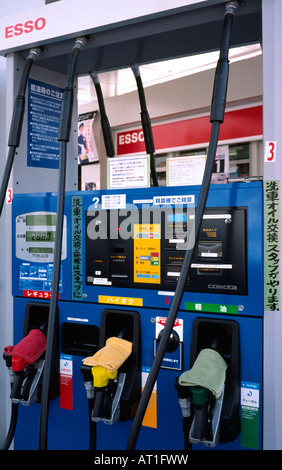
pixel 181 32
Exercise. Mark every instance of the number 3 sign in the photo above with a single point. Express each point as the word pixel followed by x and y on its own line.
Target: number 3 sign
pixel 270 151
pixel 9 196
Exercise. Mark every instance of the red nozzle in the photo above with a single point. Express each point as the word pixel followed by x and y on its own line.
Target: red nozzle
pixel 18 363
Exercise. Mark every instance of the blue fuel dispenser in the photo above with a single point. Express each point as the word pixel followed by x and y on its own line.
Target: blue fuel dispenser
pixel 127 282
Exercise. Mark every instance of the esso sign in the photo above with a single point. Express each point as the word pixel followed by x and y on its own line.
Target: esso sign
pixel 130 142
pixel 23 28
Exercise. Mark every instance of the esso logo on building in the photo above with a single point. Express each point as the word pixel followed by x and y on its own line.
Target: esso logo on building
pixel 130 141
pixel 25 28
pixel 131 137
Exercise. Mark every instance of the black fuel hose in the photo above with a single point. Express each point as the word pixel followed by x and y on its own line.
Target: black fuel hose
pixel 17 123
pixel 14 411
pixel 63 138
pixel 216 119
pixel 88 382
pixel 106 129
pixel 92 425
pixel 12 427
pixel 146 123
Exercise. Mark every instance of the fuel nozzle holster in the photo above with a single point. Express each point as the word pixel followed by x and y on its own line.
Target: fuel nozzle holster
pixel 207 413
pixel 112 375
pixel 107 380
pixel 213 382
pixel 201 412
pixel 25 363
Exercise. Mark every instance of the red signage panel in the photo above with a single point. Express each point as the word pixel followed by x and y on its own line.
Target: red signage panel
pixel 239 124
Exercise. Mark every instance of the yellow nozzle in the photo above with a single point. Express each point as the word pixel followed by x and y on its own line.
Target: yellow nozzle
pixel 101 376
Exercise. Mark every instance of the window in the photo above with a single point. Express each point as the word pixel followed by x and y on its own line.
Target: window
pixel 244 160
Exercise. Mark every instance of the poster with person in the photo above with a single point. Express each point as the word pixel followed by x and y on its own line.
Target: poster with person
pixel 87 149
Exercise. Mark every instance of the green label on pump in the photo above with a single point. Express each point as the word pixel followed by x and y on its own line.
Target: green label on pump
pixel 211 308
pixel 271 246
pixel 76 209
pixel 250 415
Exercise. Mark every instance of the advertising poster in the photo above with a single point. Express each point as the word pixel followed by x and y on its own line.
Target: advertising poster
pixel 87 149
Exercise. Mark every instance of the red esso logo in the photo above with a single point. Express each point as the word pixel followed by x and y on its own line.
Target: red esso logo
pixel 27 27
pixel 131 138
pixel 130 142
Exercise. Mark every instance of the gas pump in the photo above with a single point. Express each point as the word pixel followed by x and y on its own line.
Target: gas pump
pixel 220 309
pixel 142 284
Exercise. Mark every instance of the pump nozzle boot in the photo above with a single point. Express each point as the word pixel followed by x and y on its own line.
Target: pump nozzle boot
pixel 26 366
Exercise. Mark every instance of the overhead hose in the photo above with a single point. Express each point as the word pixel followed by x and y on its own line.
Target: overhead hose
pixel 17 123
pixel 216 118
pixel 63 138
pixel 146 123
pixel 106 129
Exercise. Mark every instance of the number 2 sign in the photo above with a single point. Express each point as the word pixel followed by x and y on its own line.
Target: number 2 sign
pixel 270 151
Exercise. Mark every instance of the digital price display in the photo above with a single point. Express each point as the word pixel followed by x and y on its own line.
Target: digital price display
pixel 40 236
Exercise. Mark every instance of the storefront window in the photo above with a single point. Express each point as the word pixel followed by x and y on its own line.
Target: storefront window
pixel 239 160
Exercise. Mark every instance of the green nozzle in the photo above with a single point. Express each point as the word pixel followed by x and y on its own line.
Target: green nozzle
pixel 199 394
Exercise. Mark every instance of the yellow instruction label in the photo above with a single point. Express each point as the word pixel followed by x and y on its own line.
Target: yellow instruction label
pixel 146 252
pixel 111 299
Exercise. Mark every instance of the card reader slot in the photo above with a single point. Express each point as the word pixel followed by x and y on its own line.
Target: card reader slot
pixel 173 270
pixel 173 266
pixel 119 268
pixel 210 250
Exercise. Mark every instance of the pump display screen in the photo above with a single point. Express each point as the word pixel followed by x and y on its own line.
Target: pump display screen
pixel 35 236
